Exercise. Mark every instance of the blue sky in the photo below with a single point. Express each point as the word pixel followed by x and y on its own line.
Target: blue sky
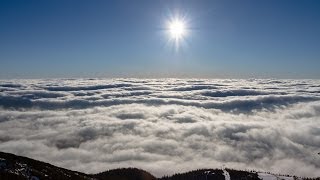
pixel 125 38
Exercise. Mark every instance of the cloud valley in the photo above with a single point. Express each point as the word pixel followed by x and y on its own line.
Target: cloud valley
pixel 164 125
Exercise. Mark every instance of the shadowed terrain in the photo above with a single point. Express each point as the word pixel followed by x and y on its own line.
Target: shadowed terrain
pixel 14 167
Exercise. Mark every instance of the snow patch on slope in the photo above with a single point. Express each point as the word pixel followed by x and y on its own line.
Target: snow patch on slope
pixel 266 176
pixel 226 174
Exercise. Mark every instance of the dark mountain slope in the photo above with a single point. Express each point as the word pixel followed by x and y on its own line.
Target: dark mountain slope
pixel 18 167
pixel 125 174
pixel 201 174
pixel 14 167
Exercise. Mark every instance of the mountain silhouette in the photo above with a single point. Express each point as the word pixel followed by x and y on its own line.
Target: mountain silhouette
pixel 13 167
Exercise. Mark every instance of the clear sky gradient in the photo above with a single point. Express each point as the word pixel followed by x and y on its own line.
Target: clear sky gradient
pixel 126 38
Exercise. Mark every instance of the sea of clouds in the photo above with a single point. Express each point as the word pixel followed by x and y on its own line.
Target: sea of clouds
pixel 164 125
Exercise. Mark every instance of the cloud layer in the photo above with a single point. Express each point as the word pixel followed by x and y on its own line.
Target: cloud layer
pixel 164 125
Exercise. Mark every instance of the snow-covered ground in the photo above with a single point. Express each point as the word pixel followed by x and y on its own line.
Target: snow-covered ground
pixel 226 174
pixel 266 176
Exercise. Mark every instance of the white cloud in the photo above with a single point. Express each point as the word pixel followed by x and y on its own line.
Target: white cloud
pixel 164 126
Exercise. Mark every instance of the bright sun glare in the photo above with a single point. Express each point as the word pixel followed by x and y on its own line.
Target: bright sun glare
pixel 177 29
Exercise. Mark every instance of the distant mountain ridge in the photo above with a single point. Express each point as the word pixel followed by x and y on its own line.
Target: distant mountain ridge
pixel 13 167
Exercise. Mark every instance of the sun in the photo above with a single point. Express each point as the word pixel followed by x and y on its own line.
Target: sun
pixel 177 29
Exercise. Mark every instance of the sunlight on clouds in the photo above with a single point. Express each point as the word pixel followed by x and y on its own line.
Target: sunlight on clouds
pixel 184 124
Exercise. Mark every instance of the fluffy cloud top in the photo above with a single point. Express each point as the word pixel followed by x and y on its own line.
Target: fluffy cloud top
pixel 164 125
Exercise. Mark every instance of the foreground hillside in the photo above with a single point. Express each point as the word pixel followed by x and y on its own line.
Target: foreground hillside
pixel 17 167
